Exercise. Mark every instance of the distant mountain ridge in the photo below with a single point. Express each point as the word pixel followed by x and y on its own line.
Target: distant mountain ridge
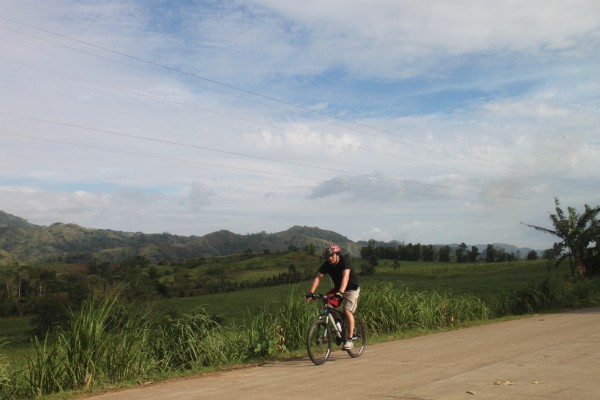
pixel 22 242
pixel 8 220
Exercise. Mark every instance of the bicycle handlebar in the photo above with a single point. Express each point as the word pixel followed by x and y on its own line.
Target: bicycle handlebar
pixel 325 298
pixel 319 296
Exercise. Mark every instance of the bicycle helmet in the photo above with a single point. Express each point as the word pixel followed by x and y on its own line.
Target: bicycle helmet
pixel 332 249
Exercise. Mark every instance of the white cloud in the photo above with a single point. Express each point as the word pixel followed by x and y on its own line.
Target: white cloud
pixel 200 196
pixel 394 38
pixel 377 234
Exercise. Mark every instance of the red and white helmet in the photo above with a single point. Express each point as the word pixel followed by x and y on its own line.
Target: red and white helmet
pixel 332 249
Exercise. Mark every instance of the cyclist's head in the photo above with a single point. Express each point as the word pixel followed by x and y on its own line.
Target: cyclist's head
pixel 331 250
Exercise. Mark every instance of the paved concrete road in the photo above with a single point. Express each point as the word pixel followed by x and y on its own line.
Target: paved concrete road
pixel 543 357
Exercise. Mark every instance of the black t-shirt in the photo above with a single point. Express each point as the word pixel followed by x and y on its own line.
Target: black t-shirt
pixel 337 273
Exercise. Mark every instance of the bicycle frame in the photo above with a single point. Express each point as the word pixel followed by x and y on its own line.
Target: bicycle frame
pixel 327 314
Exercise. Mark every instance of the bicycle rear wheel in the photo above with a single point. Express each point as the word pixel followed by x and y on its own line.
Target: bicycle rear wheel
pixel 359 339
pixel 318 342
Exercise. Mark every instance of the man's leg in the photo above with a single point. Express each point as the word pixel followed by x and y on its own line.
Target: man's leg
pixel 350 305
pixel 349 323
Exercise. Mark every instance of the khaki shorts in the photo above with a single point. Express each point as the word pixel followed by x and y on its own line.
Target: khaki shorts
pixel 351 300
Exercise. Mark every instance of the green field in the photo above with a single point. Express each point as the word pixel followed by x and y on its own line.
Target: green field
pixel 475 278
pixel 257 266
pixel 479 279
pixel 15 329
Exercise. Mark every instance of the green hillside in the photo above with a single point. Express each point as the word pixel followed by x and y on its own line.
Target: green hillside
pixel 8 220
pixel 25 243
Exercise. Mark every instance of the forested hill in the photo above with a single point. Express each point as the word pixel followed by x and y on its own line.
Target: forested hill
pixel 22 242
pixel 7 220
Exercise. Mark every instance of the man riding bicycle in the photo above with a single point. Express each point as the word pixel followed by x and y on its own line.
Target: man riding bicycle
pixel 345 286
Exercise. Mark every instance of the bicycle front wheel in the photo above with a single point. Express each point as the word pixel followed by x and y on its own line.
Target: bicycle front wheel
pixel 318 341
pixel 359 338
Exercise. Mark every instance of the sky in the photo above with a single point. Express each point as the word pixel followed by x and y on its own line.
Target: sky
pixel 429 122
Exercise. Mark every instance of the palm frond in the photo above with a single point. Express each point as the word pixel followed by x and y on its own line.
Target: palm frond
pixel 541 229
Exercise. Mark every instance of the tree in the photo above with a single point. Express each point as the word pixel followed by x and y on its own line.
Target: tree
pixel 428 253
pixel 579 235
pixel 473 254
pixel 369 250
pixel 48 283
pixel 444 253
pixel 417 252
pixel 369 268
pixel 532 255
pixel 410 252
pixel 51 313
pixel 490 253
pixel 462 253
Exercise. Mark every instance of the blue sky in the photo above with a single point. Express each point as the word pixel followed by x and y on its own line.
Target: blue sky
pixel 436 122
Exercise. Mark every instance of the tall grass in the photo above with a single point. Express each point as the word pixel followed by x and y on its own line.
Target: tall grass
pixel 46 369
pixel 548 294
pixel 294 316
pixel 4 374
pixel 190 341
pixel 103 343
pixel 583 294
pixel 386 309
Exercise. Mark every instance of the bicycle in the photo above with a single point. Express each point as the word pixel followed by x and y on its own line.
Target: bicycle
pixel 330 325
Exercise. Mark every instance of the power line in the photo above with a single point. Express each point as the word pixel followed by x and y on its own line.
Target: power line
pixel 226 115
pixel 341 182
pixel 232 117
pixel 242 98
pixel 269 159
pixel 470 159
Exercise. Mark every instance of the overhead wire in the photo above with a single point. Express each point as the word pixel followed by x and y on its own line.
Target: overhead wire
pixel 321 181
pixel 269 159
pixel 423 145
pixel 224 151
pixel 300 107
pixel 404 158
